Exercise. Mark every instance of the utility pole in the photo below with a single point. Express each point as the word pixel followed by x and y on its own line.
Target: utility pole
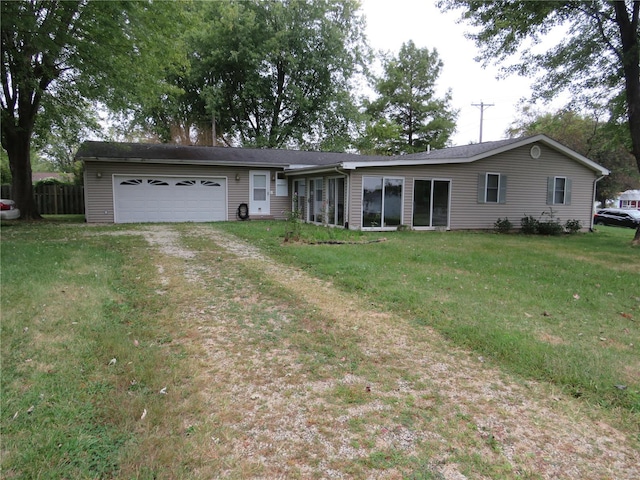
pixel 482 106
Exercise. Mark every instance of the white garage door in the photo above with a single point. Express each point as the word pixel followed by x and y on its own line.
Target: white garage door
pixel 169 199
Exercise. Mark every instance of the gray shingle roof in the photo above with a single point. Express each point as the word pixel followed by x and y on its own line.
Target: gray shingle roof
pixel 302 161
pixel 463 151
pixel 162 153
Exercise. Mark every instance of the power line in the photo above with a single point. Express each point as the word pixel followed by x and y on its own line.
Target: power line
pixel 482 106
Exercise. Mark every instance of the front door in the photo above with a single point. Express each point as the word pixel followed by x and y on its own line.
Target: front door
pixel 259 193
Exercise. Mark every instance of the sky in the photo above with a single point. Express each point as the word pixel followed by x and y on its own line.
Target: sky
pixel 390 23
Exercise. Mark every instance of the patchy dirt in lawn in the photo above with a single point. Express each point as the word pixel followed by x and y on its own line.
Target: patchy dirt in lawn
pixel 301 380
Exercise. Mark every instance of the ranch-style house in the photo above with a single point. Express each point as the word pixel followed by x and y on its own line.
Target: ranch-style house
pixel 464 187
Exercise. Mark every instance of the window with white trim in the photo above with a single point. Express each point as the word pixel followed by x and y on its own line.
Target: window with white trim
pixel 431 202
pixel 382 202
pixel 492 188
pixel 335 201
pixel 282 185
pixel 315 200
pixel 299 198
pixel 558 191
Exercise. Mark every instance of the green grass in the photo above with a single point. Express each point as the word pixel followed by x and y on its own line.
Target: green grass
pixel 73 300
pixel 69 218
pixel 70 303
pixel 559 309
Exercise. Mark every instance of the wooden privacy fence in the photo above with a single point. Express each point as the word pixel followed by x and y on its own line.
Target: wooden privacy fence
pixel 55 199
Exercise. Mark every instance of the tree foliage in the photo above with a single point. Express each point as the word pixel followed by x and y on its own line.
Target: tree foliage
pixel 58 55
pixel 407 99
pixel 271 73
pixel 380 137
pixel 60 137
pixel 5 171
pixel 597 59
pixel 603 142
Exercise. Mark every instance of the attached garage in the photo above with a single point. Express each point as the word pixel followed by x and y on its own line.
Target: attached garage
pixel 136 182
pixel 159 198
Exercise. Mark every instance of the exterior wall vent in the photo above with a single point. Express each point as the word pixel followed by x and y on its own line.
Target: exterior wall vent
pixel 535 152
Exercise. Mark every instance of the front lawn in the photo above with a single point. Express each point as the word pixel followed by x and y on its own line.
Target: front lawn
pixel 558 309
pixel 153 351
pixel 84 354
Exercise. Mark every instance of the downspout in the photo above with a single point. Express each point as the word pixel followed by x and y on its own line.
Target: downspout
pixel 347 196
pixel 593 200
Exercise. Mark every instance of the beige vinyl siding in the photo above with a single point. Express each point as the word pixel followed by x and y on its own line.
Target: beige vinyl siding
pixel 526 188
pixel 99 190
pixel 280 206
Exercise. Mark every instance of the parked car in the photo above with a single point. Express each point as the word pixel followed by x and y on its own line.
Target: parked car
pixel 8 210
pixel 617 217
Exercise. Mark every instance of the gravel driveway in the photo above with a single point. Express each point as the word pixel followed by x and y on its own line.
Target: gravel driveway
pixel 281 409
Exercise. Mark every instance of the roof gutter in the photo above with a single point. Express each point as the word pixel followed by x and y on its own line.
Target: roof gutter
pixel 593 200
pixel 181 161
pixel 347 195
pixel 292 172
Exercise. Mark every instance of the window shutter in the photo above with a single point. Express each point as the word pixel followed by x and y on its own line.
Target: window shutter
pixel 482 178
pixel 550 190
pixel 567 192
pixel 502 194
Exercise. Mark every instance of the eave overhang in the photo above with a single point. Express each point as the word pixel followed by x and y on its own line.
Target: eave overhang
pixel 309 163
pixel 186 161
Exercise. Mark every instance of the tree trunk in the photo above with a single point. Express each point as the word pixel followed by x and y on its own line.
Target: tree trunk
pixel 20 164
pixel 631 66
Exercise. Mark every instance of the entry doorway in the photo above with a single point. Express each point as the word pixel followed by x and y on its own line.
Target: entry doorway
pixel 431 203
pixel 259 193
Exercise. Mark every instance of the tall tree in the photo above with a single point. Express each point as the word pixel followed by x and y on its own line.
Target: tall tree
pixel 179 115
pixel 379 136
pixel 407 98
pixel 271 73
pixel 598 57
pixel 58 54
